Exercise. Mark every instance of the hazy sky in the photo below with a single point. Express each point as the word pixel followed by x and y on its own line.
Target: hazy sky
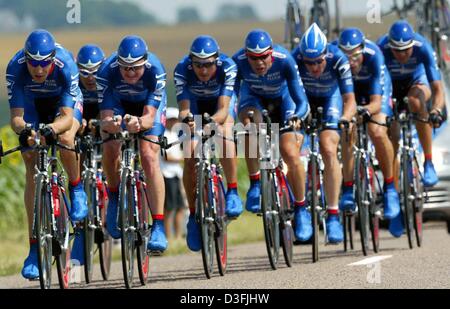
pixel 166 10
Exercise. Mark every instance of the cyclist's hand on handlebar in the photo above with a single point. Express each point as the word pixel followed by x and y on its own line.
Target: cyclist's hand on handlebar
pixel 26 137
pixel 82 127
pixel 295 122
pixel 346 124
pixel 48 136
pixel 112 125
pixel 436 118
pixel 364 113
pixel 189 120
pixel 132 123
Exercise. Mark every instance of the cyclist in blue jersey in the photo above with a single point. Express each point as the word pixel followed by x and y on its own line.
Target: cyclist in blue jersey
pixel 132 82
pixel 268 79
pixel 327 78
pixel 42 82
pixel 373 90
pixel 205 84
pixel 412 64
pixel 89 59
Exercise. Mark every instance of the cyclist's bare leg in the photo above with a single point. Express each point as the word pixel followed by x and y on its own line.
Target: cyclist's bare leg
pixel 69 158
pixel 251 148
pixel 383 146
pixel 329 140
pixel 228 155
pixel 418 95
pixel 111 162
pixel 29 158
pixel 155 180
pixel 290 145
pixel 348 158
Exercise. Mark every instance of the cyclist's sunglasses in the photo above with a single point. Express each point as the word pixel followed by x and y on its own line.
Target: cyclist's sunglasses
pixel 354 56
pixel 314 62
pixel 262 57
pixel 206 64
pixel 42 63
pixel 86 73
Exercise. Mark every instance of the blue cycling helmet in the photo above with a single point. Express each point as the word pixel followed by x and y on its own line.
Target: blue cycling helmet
pixel 132 48
pixel 258 42
pixel 401 35
pixel 204 46
pixel 90 56
pixel 351 38
pixel 40 45
pixel 313 43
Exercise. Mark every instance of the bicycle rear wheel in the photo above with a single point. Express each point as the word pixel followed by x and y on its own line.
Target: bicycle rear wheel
pixel 90 187
pixel 143 232
pixel 62 242
pixel 362 202
pixel 43 231
pixel 270 217
pixel 127 227
pixel 286 211
pixel 221 226
pixel 407 198
pixel 205 218
pixel 374 213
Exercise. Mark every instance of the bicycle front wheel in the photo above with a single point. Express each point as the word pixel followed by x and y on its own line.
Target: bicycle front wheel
pixel 270 217
pixel 127 227
pixel 43 231
pixel 314 178
pixel 90 187
pixel 143 232
pixel 102 237
pixel 418 204
pixel 221 226
pixel 62 242
pixel 407 198
pixel 205 218
pixel 362 202
pixel 286 211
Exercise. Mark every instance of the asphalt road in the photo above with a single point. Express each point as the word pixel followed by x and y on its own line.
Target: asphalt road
pixel 396 266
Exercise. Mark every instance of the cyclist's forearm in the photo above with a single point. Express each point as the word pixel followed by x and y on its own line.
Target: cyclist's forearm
pixel 375 105
pixel 222 110
pixel 17 121
pixel 148 118
pixel 438 95
pixel 184 107
pixel 349 106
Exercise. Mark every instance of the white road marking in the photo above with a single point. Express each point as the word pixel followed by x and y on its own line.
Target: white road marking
pixel 371 260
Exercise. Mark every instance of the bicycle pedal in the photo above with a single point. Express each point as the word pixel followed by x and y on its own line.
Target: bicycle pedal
pixel 154 253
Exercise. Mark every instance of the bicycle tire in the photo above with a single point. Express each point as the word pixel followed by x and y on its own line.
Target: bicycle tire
pixel 285 215
pixel 348 228
pixel 221 236
pixel 103 239
pixel 143 233
pixel 406 199
pixel 43 229
pixel 362 202
pixel 270 220
pixel 314 204
pixel 418 204
pixel 374 212
pixel 62 238
pixel 126 220
pixel 204 215
pixel 90 187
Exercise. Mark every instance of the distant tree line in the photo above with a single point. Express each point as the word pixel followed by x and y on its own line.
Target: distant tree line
pixel 52 14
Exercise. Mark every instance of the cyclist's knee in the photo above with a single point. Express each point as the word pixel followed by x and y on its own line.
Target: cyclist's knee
pixel 377 133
